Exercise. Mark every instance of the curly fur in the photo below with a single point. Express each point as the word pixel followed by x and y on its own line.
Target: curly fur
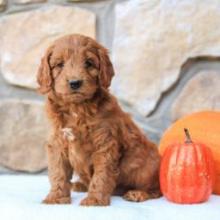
pixel 91 135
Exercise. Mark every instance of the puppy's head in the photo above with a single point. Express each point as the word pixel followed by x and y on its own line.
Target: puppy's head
pixel 74 67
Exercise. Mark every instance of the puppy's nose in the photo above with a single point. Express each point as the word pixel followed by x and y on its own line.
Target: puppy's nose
pixel 75 84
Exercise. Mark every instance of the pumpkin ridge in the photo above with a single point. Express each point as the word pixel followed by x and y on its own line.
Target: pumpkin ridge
pixel 182 182
pixel 189 171
pixel 201 193
pixel 171 187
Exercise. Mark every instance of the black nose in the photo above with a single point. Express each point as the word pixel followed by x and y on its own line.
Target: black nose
pixel 75 84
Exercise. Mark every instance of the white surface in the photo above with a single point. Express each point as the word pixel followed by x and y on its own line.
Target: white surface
pixel 20 199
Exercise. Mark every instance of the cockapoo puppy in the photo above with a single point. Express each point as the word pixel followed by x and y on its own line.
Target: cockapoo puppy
pixel 91 136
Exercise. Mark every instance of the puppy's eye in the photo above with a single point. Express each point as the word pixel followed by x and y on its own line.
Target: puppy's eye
pixel 88 63
pixel 60 65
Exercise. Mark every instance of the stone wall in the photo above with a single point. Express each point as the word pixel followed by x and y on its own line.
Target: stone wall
pixel 165 53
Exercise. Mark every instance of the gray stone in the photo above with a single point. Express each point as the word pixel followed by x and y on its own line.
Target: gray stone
pixel 153 39
pixel 23 132
pixel 202 92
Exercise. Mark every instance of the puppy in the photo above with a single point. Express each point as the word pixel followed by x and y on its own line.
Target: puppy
pixel 91 136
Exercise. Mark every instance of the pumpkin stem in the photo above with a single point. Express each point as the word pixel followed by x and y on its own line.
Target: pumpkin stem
pixel 188 138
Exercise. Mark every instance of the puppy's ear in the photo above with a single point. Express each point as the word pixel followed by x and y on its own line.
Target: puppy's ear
pixel 106 68
pixel 44 78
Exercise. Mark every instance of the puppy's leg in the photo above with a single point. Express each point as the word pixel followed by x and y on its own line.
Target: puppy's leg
pixel 78 187
pixel 60 173
pixel 145 187
pixel 141 172
pixel 103 183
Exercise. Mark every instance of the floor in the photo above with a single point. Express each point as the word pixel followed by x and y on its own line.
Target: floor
pixel 21 195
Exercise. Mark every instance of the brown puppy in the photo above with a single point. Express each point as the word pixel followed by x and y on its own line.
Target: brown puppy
pixel 91 135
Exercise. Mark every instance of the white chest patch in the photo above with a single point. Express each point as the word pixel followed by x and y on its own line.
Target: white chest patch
pixel 68 134
pixel 74 114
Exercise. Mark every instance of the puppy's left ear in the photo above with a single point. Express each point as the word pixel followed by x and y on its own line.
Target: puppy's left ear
pixel 105 67
pixel 44 78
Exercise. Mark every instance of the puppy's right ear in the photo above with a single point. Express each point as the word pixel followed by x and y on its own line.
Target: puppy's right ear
pixel 44 78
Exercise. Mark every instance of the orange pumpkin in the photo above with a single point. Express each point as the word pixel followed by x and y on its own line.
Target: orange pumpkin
pixel 187 172
pixel 204 128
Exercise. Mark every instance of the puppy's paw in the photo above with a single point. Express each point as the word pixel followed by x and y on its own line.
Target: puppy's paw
pixel 52 199
pixel 93 201
pixel 136 196
pixel 78 187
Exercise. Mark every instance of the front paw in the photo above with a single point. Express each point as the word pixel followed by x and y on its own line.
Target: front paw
pixel 93 201
pixel 53 199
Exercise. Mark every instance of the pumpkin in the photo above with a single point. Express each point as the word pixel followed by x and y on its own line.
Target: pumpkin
pixel 204 128
pixel 187 172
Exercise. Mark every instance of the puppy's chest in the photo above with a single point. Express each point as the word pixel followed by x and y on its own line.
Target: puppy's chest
pixel 77 131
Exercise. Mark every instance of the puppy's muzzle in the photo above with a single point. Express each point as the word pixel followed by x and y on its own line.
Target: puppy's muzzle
pixel 75 84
